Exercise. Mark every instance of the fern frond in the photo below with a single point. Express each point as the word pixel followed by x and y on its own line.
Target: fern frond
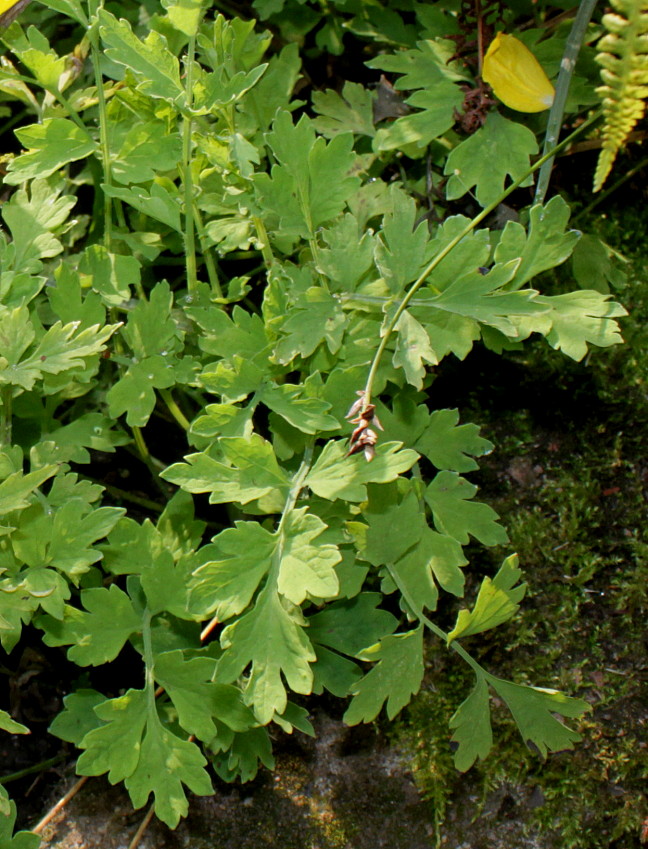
pixel 624 70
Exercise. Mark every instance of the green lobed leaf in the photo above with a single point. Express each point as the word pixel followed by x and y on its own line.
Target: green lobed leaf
pixel 483 297
pixel 154 66
pixel 401 248
pixel 454 514
pixel 394 679
pixel 98 635
pixel 533 710
pixel 112 275
pixel 134 393
pixel 545 246
pixel 507 147
pixel 472 727
pixel 306 565
pixel 158 203
pixel 315 318
pixel 243 754
pixel 497 601
pixel 34 213
pixel 78 717
pixel 16 488
pixel 51 145
pixel 165 763
pixel 284 650
pixel 579 318
pixel 449 445
pixel 199 699
pixel 312 183
pixel 115 746
pixel 348 112
pixel 438 105
pixel 231 569
pixel 335 475
pixel 412 349
pixel 9 840
pixel 309 415
pixel 236 469
pixel 422 67
pixel 352 625
pixel 147 149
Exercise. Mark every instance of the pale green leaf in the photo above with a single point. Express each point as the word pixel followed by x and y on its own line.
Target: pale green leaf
pixel 546 245
pixel 154 66
pixel 497 601
pixel 237 560
pixel 412 349
pixel 533 709
pixel 10 725
pixel 50 145
pixel 449 445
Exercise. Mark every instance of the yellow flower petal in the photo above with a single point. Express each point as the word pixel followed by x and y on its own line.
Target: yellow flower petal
pixel 516 76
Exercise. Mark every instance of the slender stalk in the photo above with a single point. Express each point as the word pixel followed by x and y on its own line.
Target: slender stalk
pixel 142 828
pixel 53 90
pixel 262 235
pixel 149 461
pixel 40 767
pixel 6 415
pixel 418 612
pixel 95 54
pixel 53 811
pixel 388 330
pixel 567 64
pixel 149 660
pixel 125 495
pixel 187 179
pixel 173 408
pixel 212 268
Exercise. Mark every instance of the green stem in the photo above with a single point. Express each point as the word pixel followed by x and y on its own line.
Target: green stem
pixel 65 103
pixel 173 408
pixel 40 767
pixel 262 235
pixel 125 495
pixel 187 126
pixel 453 244
pixel 439 632
pixel 212 268
pixel 95 53
pixel 6 407
pixel 291 499
pixel 567 64
pixel 149 660
pixel 154 466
